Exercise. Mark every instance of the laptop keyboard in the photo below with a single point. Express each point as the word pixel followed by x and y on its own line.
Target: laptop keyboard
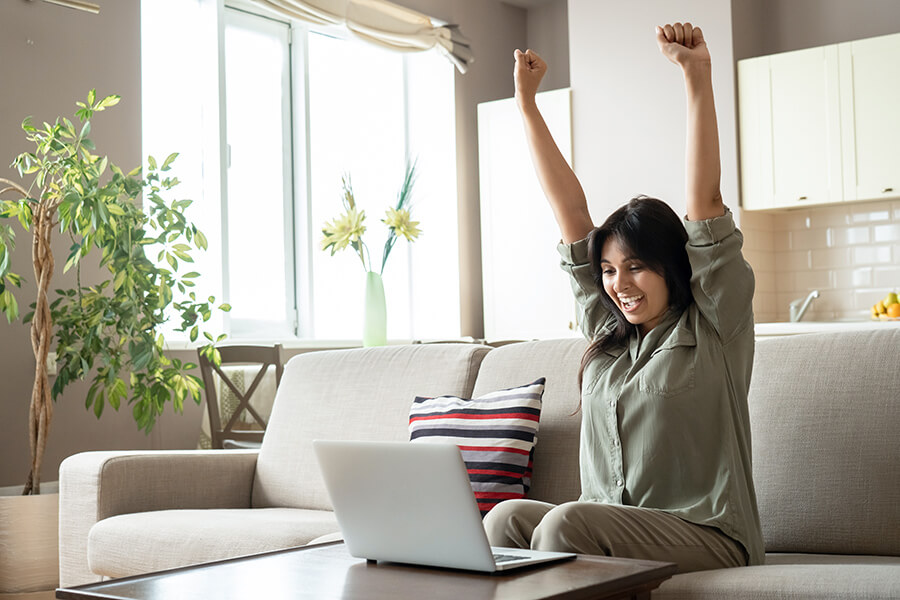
pixel 502 558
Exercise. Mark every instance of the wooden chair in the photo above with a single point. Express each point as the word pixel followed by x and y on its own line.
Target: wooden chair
pixel 227 436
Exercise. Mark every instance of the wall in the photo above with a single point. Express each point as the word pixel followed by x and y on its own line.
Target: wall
pixel 52 56
pixel 548 35
pixel 629 101
pixel 848 252
pixel 770 26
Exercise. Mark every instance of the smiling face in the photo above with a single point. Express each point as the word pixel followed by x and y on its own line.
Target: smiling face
pixel 639 292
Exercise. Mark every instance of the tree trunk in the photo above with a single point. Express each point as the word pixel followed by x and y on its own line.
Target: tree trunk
pixel 41 410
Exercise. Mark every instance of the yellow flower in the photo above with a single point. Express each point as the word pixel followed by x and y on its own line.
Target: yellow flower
pixel 399 221
pixel 344 230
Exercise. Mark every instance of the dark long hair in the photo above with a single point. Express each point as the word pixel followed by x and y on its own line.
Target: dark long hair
pixel 649 230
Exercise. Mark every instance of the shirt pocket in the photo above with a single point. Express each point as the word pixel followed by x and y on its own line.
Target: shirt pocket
pixel 670 370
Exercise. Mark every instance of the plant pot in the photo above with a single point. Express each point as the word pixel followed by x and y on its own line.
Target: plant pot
pixel 29 542
pixel 375 323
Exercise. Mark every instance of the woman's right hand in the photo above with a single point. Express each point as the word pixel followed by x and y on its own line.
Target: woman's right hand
pixel 530 69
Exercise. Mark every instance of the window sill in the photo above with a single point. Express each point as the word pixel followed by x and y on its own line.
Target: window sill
pixel 182 344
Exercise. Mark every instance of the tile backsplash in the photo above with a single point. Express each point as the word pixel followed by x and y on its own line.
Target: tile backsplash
pixel 849 252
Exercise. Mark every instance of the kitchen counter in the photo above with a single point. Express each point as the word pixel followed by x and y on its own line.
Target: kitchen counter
pixel 776 329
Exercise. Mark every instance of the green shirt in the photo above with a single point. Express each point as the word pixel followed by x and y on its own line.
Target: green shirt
pixel 665 422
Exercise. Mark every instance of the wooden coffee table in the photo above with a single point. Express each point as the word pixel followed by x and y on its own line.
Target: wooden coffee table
pixel 327 571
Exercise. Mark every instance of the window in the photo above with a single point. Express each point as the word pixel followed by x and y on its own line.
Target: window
pixel 282 112
pixel 258 211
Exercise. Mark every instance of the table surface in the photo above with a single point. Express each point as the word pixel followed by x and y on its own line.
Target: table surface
pixel 328 571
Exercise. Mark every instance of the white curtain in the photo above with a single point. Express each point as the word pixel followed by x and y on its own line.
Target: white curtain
pixel 381 22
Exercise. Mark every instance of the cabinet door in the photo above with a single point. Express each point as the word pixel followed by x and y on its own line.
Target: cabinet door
pixel 870 103
pixel 806 148
pixel 526 294
pixel 755 123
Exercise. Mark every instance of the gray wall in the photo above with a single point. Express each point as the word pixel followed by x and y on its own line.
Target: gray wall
pixel 548 35
pixel 770 26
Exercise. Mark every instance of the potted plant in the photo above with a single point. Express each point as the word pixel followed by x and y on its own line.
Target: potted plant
pixel 105 331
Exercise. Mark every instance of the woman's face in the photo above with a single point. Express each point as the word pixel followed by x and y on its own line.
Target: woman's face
pixel 639 292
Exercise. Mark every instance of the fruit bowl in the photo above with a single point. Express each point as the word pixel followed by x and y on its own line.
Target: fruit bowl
pixel 887 309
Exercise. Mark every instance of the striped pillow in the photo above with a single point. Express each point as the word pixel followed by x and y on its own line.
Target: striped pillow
pixel 496 434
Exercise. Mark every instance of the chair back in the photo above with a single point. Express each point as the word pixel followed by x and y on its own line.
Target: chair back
pixel 227 429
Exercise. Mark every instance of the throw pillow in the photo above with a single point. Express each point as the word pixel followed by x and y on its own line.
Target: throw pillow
pixel 496 434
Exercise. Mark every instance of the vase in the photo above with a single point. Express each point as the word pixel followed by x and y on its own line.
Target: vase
pixel 375 322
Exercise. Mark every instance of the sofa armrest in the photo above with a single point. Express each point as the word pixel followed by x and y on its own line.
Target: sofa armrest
pixel 97 485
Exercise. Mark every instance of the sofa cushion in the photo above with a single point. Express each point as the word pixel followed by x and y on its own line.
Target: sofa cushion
pixel 359 394
pixel 555 478
pixel 164 539
pixel 825 414
pixel 792 577
pixel 496 434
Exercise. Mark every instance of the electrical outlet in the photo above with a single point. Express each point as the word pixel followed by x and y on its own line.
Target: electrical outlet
pixel 51 363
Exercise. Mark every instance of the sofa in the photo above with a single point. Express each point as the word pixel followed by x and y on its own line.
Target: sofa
pixel 825 419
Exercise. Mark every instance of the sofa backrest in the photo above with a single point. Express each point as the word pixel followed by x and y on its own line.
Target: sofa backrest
pixel 555 473
pixel 825 420
pixel 358 394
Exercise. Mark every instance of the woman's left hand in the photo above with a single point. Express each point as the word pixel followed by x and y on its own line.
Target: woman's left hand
pixel 682 44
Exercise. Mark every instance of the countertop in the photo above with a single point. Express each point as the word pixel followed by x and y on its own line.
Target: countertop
pixel 775 329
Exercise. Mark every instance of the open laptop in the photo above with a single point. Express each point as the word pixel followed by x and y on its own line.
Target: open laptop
pixel 412 503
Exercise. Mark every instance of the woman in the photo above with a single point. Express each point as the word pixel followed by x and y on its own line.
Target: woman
pixel 665 438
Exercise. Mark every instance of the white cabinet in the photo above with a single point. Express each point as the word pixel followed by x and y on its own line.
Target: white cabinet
pixel 790 129
pixel 821 125
pixel 870 110
pixel 526 294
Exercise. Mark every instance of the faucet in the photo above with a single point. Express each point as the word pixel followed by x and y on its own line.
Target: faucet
pixel 799 306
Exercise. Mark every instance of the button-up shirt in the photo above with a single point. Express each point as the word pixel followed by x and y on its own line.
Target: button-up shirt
pixel 665 422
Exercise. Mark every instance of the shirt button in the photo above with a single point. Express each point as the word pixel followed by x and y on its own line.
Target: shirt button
pixel 612 403
pixel 616 443
pixel 619 482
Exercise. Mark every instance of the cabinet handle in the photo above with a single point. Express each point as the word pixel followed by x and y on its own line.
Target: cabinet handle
pixel 802 198
pixel 886 190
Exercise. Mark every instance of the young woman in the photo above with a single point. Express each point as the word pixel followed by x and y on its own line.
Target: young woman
pixel 666 305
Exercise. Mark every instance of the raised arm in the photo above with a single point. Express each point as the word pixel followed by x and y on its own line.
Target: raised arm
pixel 557 179
pixel 684 45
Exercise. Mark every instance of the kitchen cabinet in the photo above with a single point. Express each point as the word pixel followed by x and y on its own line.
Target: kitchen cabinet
pixel 820 126
pixel 790 129
pixel 870 116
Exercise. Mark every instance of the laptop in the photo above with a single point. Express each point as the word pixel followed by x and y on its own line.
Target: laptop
pixel 412 503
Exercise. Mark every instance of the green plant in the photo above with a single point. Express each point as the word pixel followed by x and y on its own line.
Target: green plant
pixel 348 228
pixel 110 327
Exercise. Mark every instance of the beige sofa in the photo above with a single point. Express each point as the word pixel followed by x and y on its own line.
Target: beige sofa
pixel 825 412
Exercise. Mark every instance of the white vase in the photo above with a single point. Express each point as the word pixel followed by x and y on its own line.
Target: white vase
pixel 29 542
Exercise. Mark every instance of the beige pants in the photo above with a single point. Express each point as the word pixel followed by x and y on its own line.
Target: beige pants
pixel 611 530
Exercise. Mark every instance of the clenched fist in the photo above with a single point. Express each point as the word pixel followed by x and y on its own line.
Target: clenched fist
pixel 529 71
pixel 682 44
